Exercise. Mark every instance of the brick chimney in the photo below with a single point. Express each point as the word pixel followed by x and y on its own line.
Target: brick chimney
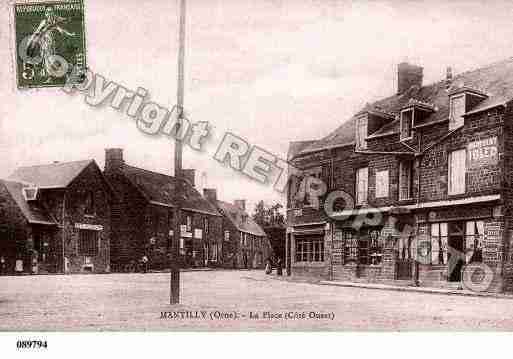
pixel 408 75
pixel 210 194
pixel 113 159
pixel 240 203
pixel 189 175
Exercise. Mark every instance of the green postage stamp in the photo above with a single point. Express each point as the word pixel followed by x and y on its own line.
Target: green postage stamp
pixel 50 43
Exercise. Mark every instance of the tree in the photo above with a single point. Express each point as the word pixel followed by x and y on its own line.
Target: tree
pixel 268 216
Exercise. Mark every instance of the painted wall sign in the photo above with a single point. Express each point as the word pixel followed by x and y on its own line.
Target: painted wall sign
pixel 90 227
pixel 482 152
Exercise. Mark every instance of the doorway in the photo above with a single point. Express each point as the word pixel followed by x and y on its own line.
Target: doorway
pixel 456 250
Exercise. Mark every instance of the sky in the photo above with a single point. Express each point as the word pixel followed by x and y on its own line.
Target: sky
pixel 270 71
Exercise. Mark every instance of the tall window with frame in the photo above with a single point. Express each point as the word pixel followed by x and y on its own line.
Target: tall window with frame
pixel 456 111
pixel 406 124
pixel 405 180
pixel 376 245
pixel 382 184
pixel 206 225
pixel 89 204
pixel 439 237
pixel 88 243
pixel 457 171
pixel 474 237
pixel 362 185
pixel 188 223
pixel 361 132
pixel 350 246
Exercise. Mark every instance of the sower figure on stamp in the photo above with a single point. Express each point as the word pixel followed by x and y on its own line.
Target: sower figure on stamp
pixel 44 35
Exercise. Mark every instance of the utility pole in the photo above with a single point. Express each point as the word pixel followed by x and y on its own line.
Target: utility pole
pixel 175 244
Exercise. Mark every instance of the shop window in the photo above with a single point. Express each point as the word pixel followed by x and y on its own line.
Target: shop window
pixel 456 111
pixel 309 250
pixel 405 180
pixel 362 185
pixel 88 243
pixel 156 223
pixel 213 252
pixel 474 236
pixel 382 184
pixel 439 243
pixel 350 246
pixel 406 124
pixel 457 169
pixel 363 250
pixel 376 244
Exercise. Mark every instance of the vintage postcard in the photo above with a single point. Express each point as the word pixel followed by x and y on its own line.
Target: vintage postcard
pixel 50 43
pixel 256 166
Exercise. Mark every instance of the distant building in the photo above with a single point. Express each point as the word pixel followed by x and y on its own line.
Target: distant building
pixel 142 219
pixel 56 218
pixel 245 244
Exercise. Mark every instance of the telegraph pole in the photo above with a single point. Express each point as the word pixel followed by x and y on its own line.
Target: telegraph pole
pixel 175 244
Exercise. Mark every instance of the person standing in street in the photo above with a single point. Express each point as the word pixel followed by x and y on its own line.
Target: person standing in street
pixel 2 265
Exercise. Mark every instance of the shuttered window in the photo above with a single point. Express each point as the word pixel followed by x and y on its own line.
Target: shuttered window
pixel 381 184
pixel 474 237
pixel 457 169
pixel 361 133
pixel 457 109
pixel 406 124
pixel 362 185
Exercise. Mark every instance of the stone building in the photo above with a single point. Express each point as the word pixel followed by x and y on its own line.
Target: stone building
pixel 245 244
pixel 56 219
pixel 142 219
pixel 413 189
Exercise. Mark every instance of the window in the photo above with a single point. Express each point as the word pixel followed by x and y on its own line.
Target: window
pixel 439 243
pixel 188 226
pixel 156 220
pixel 406 124
pixel 363 250
pixel 213 252
pixel 245 239
pixel 405 180
pixel 89 203
pixel 88 243
pixel 457 170
pixel 361 133
pixel 456 111
pixel 241 239
pixel 376 244
pixel 350 246
pixel 474 236
pixel 226 235
pixel 381 184
pixel 362 184
pixel 170 218
pixel 205 225
pixel 309 249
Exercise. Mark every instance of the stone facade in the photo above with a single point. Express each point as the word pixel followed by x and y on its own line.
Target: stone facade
pixel 393 238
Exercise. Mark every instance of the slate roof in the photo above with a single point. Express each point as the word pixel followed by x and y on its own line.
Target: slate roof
pixel 54 175
pixel 296 146
pixel 495 80
pixel 235 214
pixel 31 211
pixel 159 189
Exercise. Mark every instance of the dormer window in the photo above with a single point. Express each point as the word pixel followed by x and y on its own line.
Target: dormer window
pixel 456 111
pixel 406 124
pixel 30 193
pixel 462 100
pixel 361 132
